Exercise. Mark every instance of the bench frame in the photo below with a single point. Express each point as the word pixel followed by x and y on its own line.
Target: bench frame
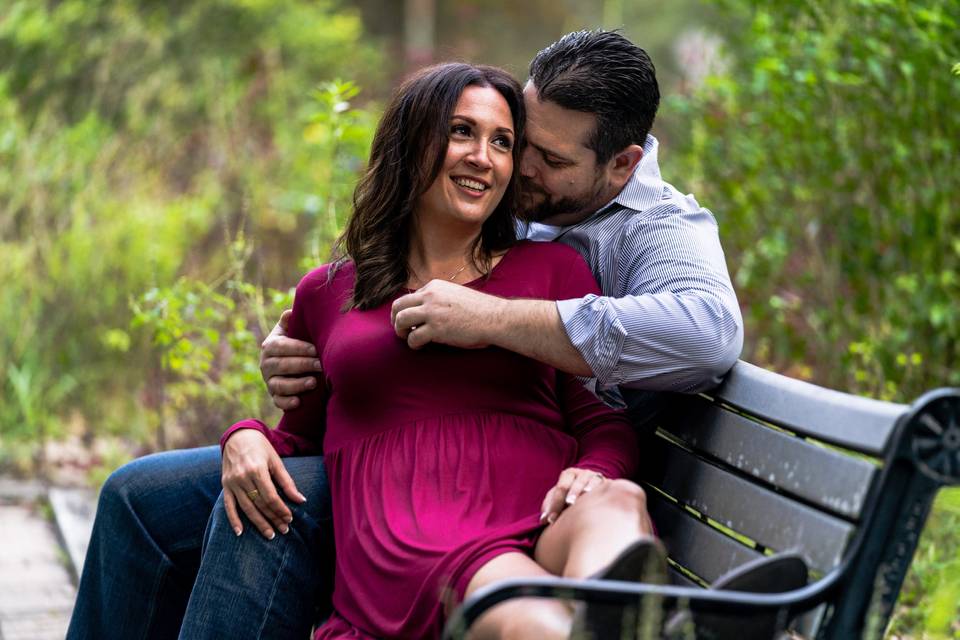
pixel 917 448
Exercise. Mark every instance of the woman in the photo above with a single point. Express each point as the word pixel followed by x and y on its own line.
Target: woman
pixel 444 463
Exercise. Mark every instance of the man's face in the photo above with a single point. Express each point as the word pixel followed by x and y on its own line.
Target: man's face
pixel 560 180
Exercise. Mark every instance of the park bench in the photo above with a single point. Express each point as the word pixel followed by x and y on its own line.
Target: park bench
pixel 767 464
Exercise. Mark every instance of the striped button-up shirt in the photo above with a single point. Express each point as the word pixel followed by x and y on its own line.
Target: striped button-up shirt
pixel 668 318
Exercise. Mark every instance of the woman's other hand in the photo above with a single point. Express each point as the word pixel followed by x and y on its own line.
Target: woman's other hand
pixel 572 483
pixel 284 363
pixel 251 471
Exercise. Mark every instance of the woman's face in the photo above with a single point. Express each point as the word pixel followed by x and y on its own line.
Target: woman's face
pixel 479 161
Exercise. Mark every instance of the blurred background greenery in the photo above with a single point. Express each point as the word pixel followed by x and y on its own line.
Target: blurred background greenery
pixel 169 169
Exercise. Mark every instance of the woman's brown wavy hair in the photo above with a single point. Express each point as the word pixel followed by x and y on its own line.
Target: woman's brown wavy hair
pixel 407 154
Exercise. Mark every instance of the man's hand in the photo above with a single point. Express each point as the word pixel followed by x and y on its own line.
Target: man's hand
pixel 282 360
pixel 251 466
pixel 447 313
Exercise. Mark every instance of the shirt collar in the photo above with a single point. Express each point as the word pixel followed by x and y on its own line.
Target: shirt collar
pixel 645 187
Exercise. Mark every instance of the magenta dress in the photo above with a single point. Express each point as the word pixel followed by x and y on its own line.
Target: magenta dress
pixel 438 459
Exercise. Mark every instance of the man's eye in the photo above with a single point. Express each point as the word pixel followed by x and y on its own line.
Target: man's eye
pixel 555 164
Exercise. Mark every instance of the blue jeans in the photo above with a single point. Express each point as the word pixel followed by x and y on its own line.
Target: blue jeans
pixel 163 561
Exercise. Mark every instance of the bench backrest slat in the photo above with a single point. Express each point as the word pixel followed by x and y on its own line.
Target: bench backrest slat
pixel 771 520
pixel 774 457
pixel 696 545
pixel 856 423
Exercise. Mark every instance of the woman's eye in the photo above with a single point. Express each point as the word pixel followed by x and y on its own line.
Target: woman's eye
pixel 460 129
pixel 504 142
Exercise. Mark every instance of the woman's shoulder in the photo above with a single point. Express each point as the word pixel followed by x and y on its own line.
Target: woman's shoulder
pixel 331 278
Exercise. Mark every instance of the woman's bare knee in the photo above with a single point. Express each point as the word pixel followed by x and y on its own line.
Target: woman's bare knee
pixel 624 494
pixel 524 618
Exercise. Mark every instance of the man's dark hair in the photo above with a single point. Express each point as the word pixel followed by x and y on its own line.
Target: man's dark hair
pixel 603 73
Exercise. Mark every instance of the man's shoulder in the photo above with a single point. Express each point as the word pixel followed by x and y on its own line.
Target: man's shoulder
pixel 666 214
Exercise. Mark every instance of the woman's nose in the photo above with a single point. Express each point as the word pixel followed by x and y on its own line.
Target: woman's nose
pixel 479 156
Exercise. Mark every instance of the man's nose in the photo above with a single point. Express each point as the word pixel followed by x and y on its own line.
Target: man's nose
pixel 527 166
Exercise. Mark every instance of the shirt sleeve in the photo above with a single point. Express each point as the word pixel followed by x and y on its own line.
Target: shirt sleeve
pixel 299 431
pixel 671 321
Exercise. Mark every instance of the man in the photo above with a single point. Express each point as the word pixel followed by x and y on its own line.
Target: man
pixel 668 320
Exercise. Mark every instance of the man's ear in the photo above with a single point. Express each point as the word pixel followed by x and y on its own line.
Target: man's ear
pixel 621 165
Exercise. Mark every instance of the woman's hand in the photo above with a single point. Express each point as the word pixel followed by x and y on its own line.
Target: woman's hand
pixel 572 483
pixel 251 466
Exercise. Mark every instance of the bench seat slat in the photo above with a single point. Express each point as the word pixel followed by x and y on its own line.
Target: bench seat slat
pixel 693 544
pixel 853 422
pixel 774 521
pixel 778 458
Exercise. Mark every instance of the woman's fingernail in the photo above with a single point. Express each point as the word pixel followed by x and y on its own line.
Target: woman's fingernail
pixel 237 530
pixel 303 498
pixel 317 365
pixel 311 383
pixel 271 535
pixel 570 499
pixel 284 529
pixel 543 516
pixel 551 518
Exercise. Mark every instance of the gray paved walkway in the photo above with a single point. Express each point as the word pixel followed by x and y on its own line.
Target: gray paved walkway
pixel 36 591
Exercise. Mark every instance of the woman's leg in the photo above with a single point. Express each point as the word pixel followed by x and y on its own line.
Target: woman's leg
pixel 590 534
pixel 584 539
pixel 519 618
pixel 251 587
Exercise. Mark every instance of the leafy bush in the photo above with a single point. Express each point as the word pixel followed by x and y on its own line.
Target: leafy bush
pixel 138 141
pixel 829 153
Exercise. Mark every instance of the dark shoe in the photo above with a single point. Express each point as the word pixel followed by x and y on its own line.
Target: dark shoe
pixel 773 574
pixel 643 561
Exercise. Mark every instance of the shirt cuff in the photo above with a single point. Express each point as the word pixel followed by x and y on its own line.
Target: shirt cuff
pixel 596 332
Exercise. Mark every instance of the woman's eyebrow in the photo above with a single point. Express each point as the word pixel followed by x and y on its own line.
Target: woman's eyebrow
pixel 473 122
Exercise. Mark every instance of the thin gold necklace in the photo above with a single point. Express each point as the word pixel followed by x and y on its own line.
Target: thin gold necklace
pixel 449 278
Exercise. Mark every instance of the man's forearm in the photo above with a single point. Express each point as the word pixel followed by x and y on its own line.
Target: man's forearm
pixel 533 328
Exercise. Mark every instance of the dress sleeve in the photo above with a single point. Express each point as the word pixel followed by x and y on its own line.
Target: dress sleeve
pixel 607 442
pixel 300 430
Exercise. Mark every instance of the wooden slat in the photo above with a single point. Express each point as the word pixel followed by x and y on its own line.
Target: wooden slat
pixel 775 457
pixel 693 544
pixel 772 520
pixel 676 578
pixel 857 423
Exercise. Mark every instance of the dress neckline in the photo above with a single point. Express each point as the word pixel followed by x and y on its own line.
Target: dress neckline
pixel 473 284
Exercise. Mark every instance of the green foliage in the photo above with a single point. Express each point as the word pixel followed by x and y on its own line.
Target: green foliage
pixel 137 141
pixel 930 598
pixel 828 152
pixel 208 353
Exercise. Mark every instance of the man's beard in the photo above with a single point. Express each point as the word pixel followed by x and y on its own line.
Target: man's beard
pixel 536 204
